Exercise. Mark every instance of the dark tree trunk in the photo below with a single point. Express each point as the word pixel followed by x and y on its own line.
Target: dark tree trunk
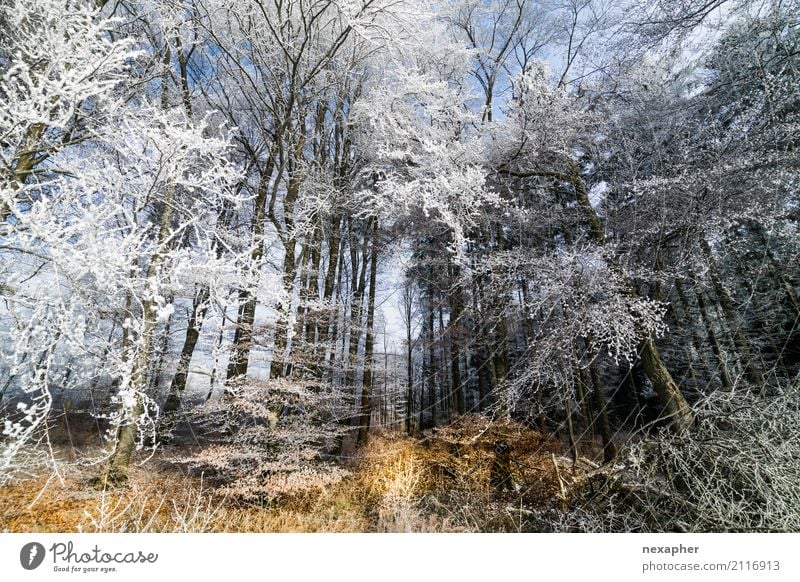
pixel 178 384
pixel 409 379
pixel 716 347
pixel 366 388
pixel 243 335
pixel 752 371
pixel 609 448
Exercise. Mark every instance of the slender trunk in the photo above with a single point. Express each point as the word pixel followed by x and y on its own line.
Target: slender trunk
pixel 369 347
pixel 584 403
pixel 499 367
pixel 454 336
pixel 697 343
pixel 526 319
pixel 484 381
pixel 299 347
pixel 573 443
pixel 178 384
pixel 385 391
pixel 279 350
pixel 421 419
pixel 631 390
pixel 752 371
pixel 725 376
pixel 455 375
pixel 334 248
pixel 220 336
pixel 281 326
pixel 431 361
pixel 580 394
pixel 444 373
pixel 280 344
pixel 409 366
pixel 609 448
pixel 480 357
pixel 334 316
pixel 183 69
pixel 25 162
pixel 357 310
pixel 243 335
pixel 313 319
pixel 427 364
pixel 162 350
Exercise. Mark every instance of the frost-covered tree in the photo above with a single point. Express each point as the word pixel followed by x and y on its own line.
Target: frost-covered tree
pixel 59 71
pixel 98 187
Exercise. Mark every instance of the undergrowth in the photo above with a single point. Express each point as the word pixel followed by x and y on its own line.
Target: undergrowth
pixel 448 480
pixel 476 475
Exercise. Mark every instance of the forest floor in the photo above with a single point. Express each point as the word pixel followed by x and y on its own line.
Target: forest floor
pixel 475 475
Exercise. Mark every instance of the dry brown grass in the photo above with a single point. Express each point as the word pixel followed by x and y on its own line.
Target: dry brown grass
pixel 440 482
pixel 444 481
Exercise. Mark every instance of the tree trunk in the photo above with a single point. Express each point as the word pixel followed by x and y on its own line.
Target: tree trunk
pixel 162 350
pixel 25 159
pixel 178 384
pixel 357 310
pixel 609 448
pixel 280 347
pixel 455 336
pixel 408 305
pixel 243 335
pixel 125 441
pixel 333 318
pixel 676 409
pixel 431 360
pixel 725 376
pixel 366 388
pixel 444 374
pixel 752 371
pixel 697 343
pixel 631 391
